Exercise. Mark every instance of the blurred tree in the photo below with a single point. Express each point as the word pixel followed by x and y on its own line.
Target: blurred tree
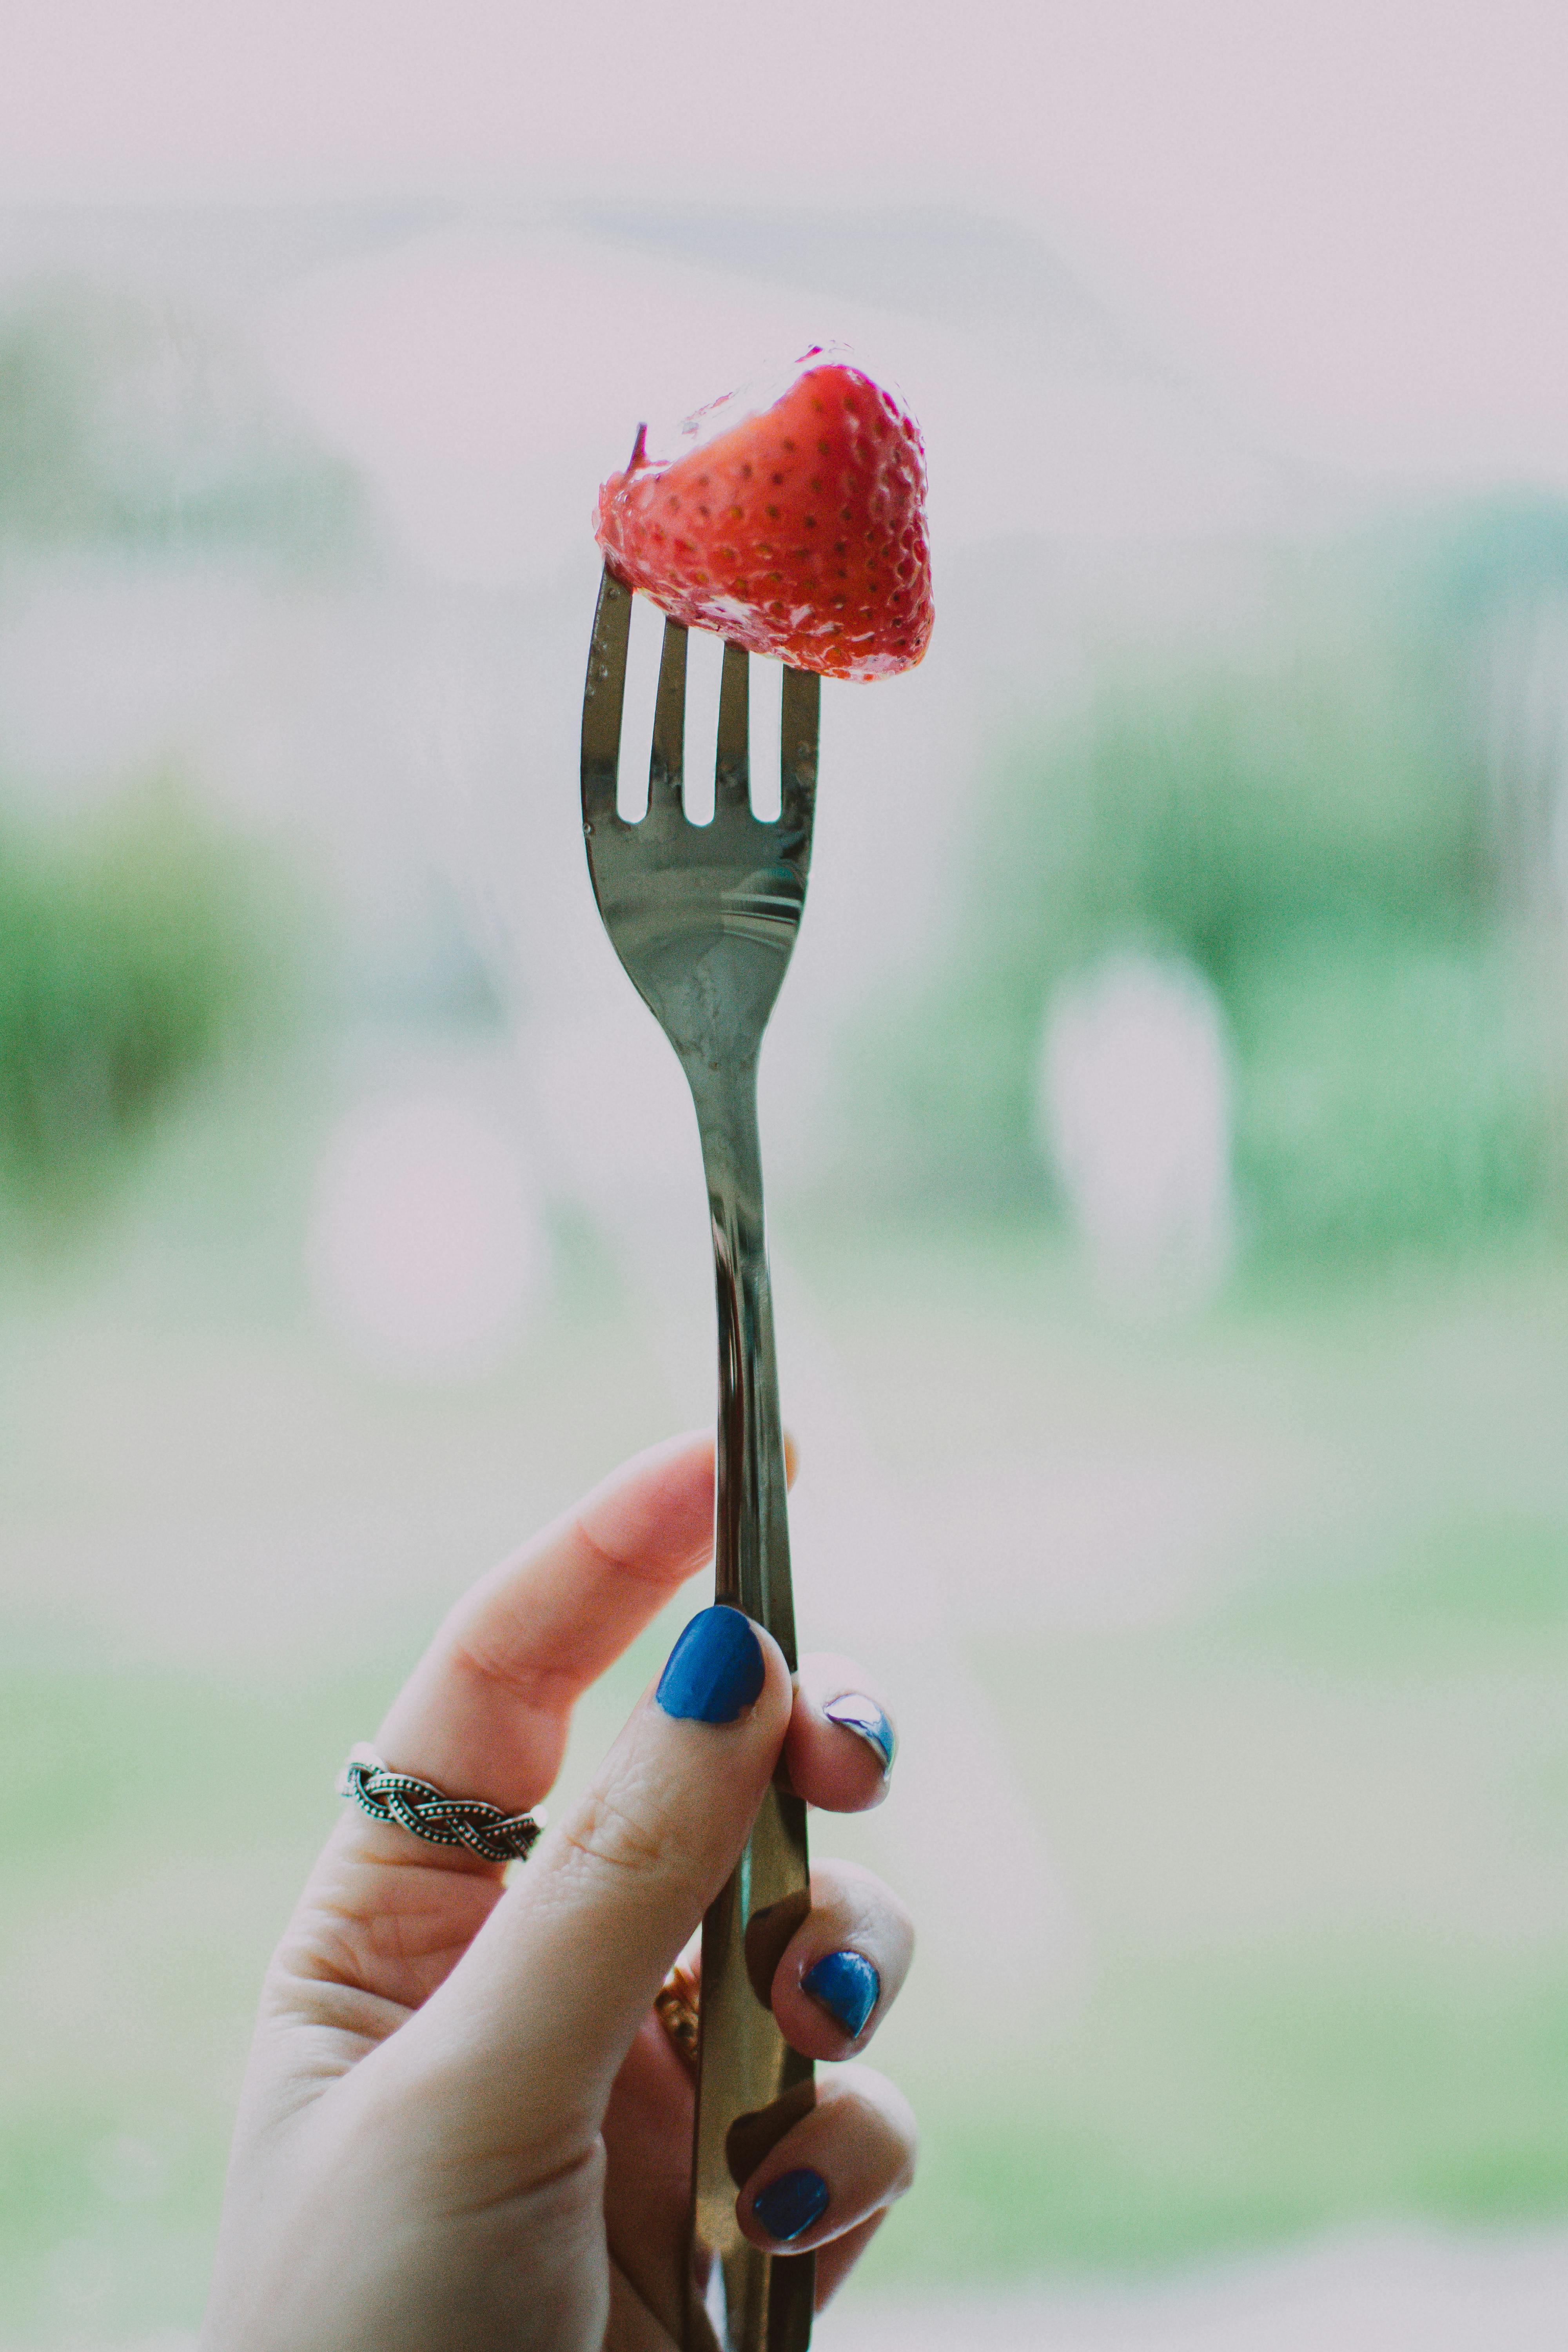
pixel 125 957
pixel 135 422
pixel 1318 828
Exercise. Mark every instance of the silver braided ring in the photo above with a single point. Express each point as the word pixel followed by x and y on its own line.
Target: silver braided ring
pixel 417 1805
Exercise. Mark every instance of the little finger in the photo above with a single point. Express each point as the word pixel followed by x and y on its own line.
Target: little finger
pixel 841 2164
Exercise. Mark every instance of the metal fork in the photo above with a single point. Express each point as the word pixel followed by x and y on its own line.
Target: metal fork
pixel 704 919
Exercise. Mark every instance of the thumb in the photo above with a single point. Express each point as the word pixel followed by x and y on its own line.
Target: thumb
pixel 530 2030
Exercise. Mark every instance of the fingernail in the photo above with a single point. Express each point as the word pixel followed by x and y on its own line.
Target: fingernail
pixel 715 1671
pixel 846 1986
pixel 790 2205
pixel 856 1712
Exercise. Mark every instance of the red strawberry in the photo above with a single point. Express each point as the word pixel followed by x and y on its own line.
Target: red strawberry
pixel 798 529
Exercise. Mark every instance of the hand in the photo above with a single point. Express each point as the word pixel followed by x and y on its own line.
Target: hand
pixel 463 2126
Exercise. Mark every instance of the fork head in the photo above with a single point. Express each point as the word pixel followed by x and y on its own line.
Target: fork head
pixel 704 917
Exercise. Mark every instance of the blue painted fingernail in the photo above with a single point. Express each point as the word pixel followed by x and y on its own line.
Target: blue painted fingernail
pixel 790 2205
pixel 856 1712
pixel 846 1986
pixel 715 1670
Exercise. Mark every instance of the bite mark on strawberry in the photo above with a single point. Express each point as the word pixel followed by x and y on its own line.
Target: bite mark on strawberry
pixel 829 569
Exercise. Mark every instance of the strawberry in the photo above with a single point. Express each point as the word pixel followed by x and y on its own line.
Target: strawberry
pixel 796 529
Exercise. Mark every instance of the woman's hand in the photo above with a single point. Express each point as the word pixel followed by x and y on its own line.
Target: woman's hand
pixel 463 2126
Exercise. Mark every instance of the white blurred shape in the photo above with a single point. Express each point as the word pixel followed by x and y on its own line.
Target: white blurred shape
pixel 1133 1112
pixel 427 1246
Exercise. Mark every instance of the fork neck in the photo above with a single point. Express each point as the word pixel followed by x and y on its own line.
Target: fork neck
pixel 750 1554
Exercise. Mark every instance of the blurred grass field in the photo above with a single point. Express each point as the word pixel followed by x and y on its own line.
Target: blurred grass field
pixel 1311 1804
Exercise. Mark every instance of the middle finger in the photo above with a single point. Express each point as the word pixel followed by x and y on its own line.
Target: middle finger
pixel 841 1742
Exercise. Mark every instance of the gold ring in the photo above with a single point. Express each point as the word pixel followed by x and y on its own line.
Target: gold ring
pixel 678 2005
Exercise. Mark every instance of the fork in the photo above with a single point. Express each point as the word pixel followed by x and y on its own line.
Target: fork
pixel 704 919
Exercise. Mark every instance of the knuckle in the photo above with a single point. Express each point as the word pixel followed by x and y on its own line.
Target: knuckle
pixel 846 1898
pixel 871 2106
pixel 608 1834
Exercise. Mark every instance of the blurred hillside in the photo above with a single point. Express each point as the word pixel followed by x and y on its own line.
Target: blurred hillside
pixel 296 505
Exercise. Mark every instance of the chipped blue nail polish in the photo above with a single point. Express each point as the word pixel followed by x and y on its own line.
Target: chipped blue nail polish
pixel 856 1712
pixel 846 1986
pixel 792 2204
pixel 715 1671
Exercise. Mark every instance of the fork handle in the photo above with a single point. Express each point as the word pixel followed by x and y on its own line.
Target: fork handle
pixel 751 2086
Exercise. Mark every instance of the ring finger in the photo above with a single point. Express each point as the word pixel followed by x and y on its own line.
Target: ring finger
pixel 844 1964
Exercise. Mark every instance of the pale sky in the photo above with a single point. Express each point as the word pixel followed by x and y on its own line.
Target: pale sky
pixel 1353 217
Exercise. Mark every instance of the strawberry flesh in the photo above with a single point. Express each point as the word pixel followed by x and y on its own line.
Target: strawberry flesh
pixel 798 531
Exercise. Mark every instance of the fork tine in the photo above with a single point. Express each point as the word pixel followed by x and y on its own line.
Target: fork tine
pixel 732 766
pixel 602 698
pixel 664 770
pixel 797 747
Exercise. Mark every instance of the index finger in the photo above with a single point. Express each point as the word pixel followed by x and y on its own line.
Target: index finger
pixel 485 1713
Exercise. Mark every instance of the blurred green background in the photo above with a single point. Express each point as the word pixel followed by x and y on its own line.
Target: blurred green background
pixel 1250 1552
